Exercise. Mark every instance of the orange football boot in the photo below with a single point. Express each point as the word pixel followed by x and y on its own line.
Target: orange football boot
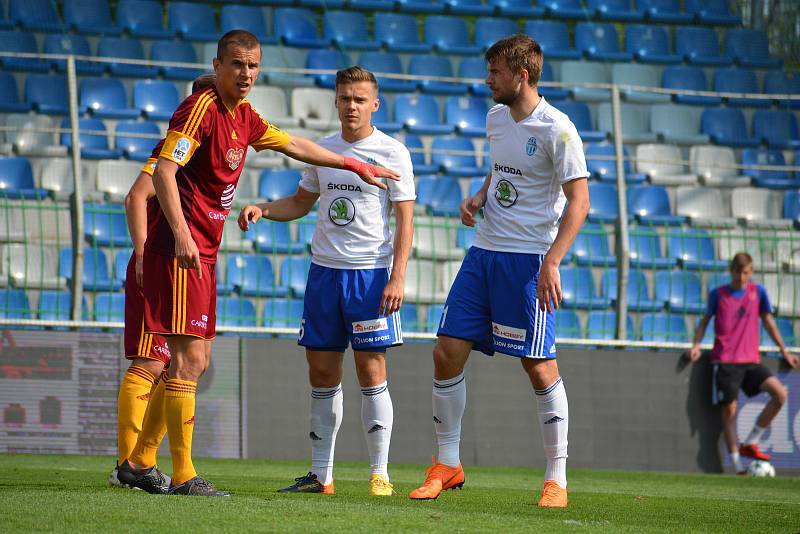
pixel 752 451
pixel 553 495
pixel 439 478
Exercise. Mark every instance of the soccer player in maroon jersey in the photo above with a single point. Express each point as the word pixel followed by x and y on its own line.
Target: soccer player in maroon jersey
pixel 195 180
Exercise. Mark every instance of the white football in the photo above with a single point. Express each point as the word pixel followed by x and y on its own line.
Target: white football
pixel 760 468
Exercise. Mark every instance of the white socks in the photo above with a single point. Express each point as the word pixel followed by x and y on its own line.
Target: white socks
pixel 326 416
pixel 449 400
pixel 377 416
pixel 755 435
pixel 554 422
pixel 736 460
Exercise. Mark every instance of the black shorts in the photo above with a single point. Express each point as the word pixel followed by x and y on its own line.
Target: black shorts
pixel 728 378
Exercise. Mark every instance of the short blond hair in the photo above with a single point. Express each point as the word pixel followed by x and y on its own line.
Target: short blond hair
pixel 520 52
pixel 355 74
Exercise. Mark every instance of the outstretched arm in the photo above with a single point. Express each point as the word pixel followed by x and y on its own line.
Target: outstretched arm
pixel 772 330
pixel 136 215
pixel 283 209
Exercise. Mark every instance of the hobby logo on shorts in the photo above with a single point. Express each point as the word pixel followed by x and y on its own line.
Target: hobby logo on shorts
pixel 505 193
pixel 508 332
pixel 342 211
pixel 181 150
pixel 370 326
pixel 234 157
pixel 226 200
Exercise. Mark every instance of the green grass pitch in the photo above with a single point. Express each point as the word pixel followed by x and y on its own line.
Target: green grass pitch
pixel 69 494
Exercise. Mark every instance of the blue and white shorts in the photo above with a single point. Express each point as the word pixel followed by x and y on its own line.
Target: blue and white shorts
pixel 341 306
pixel 493 304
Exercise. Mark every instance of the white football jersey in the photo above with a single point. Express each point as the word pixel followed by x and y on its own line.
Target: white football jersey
pixel 353 225
pixel 530 160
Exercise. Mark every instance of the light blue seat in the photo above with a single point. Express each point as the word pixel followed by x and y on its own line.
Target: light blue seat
pixel 433 67
pixel 370 6
pixel 72 44
pixel 306 227
pixel 157 99
pixel 320 4
pixel 386 63
pixel 691 78
pixel 273 237
pixel 791 206
pixel 553 37
pixel 450 35
pixel 143 18
pixel 578 289
pixel 550 93
pixel 433 317
pixel 665 327
pixel 415 147
pixel 640 75
pixel 564 9
pixel 474 67
pixel 47 93
pixel 57 306
pixel 383 119
pixel 567 324
pixel 776 82
pixel 409 319
pixel 465 237
pixel 249 18
pixel 694 250
pixel 726 126
pixel 638 290
pixel 90 16
pixel 635 120
pixel 399 33
pixel 96 276
pixel 644 246
pixel 680 290
pixel 16 180
pixel 104 225
pixel 668 11
pixel 348 30
pixel 235 311
pixel 116 47
pixel 764 178
pixel 283 313
pixel 283 57
pixel 750 48
pixel 776 128
pixel 446 199
pixel 421 6
pixel 650 44
pixel 467 115
pixel 650 205
pixel 599 41
pixel 677 124
pixel 455 164
pixel 737 80
pixel 109 307
pixel 489 30
pixel 105 98
pixel 252 275
pixel 319 59
pixel 699 46
pixel 581 117
pixel 176 52
pixel 34 15
pixel 619 10
pixel 92 145
pixel 474 8
pixel 786 329
pixel 134 147
pixel 294 273
pixel 9 95
pixel 14 304
pixel 517 8
pixel 420 114
pixel 426 188
pixel 120 268
pixel 587 72
pixel 296 26
pixel 193 21
pixel 605 170
pixel 278 183
pixel 20 41
pixel 602 324
pixel 604 206
pixel 590 248
pixel 714 12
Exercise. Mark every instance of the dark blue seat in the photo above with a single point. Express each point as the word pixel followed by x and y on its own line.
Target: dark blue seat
pixel 449 35
pixel 467 115
pixel 590 247
pixel 638 290
pixel 109 307
pixel 421 6
pixel 764 178
pixel 599 41
pixel 465 237
pixel 399 33
pixel 553 37
pixel 382 118
pixel 193 21
pixel 72 44
pixel 550 93
pixel 157 99
pixel 750 48
pixel 235 311
pixel 420 114
pixel 104 225
pixel 446 197
pixel 791 206
pixel 715 12
pixel 297 26
pixel 121 260
pixel 57 306
pixel 134 147
pixel 602 324
pixel 474 67
pixel 777 82
pixel 294 273
pixel 321 4
pixel 386 63
pixel 250 18
pixel 681 291
pixel 699 46
pixel 433 317
pixel 426 187
pixel 283 313
pixel 581 117
pixel 663 327
pixel 47 93
pixel 650 205
pixel 90 16
pixel 620 10
pixel 278 183
pixel 605 170
pixel 143 18
pixel 517 8
pixel 726 126
pixel 409 318
pixel 563 9
pixel 475 8
pixel 370 6
pixel 273 237
pixel 604 204
pixel 16 179
pixel 650 44
pixel 435 66
pixel 578 289
pixel 776 128
pixel 93 145
pixel 176 52
pixel 415 147
pixel 568 325
pixel 348 29
pixel 668 11
pixel 252 275
pixel 21 41
pixel 96 276
pixel 455 164
pixel 644 246
pixel 9 95
pixel 318 59
pixel 14 304
pixel 691 78
pixel 694 250
pixel 489 30
pixel 105 98
pixel 736 80
pixel 34 15
pixel 116 47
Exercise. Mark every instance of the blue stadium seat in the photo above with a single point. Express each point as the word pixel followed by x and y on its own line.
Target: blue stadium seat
pixel 409 318
pixel 634 74
pixel 252 275
pixel 14 304
pixel 176 52
pixel 370 6
pixel 273 237
pixel 34 15
pixel 650 205
pixel 133 147
pixel 777 82
pixel 387 63
pixel 785 328
pixel 348 30
pixel 296 26
pixel 250 18
pixel 235 311
pixel 763 178
pixel 121 260
pixel 550 93
pixel 567 324
pixel 578 289
pixel 283 313
pixel 278 183
pixel 599 41
pixel 736 80
pixel 90 16
pixel 489 30
pixel 399 33
pixel 420 114
pixel 326 60
pixel 791 206
pixel 581 117
pixel 104 225
pixel 382 118
pixel 474 8
pixel 47 93
pixel 433 317
pixel 467 115
pixel 668 11
pixel 143 18
pixel 750 48
pixel 105 98
pixel 16 180
pixel 465 237
pixel 691 78
pixel 715 12
pixel 20 41
pixel 449 35
pixel 322 4
pixel 435 66
pixel 677 124
pixel 553 37
pixel 650 44
pixel 57 306
pixel 72 44
pixel 590 247
pixel 415 146
pixel 604 206
pixel 455 164
pixel 620 10
pixel 681 291
pixel 109 307
pixel 474 67
pixel 603 325
pixel 445 198
pixel 718 279
pixel 663 327
pixel 579 72
pixel 635 122
pixel 193 21
pixel 563 9
pixel 694 250
pixel 294 273
pixel 638 290
pixel 644 245
pixel 157 99
pixel 726 126
pixel 605 170
pixel 699 46
pixel 116 47
pixel 9 95
pixel 93 145
pixel 96 275
pixel 421 6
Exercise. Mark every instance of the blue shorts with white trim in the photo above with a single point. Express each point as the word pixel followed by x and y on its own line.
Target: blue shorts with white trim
pixel 341 307
pixel 493 304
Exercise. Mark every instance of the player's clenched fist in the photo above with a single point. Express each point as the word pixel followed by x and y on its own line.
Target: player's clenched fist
pixel 470 207
pixel 249 214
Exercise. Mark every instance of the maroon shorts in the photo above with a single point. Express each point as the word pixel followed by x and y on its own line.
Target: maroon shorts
pixel 177 301
pixel 138 343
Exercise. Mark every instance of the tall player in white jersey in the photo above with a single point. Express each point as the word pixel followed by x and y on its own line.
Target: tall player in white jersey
pixel 504 296
pixel 355 289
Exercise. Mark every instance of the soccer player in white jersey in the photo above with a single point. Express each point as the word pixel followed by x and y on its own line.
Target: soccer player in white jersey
pixel 355 289
pixel 505 294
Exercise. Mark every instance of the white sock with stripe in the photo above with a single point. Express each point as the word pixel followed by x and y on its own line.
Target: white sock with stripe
pixel 449 401
pixel 554 423
pixel 377 417
pixel 326 416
